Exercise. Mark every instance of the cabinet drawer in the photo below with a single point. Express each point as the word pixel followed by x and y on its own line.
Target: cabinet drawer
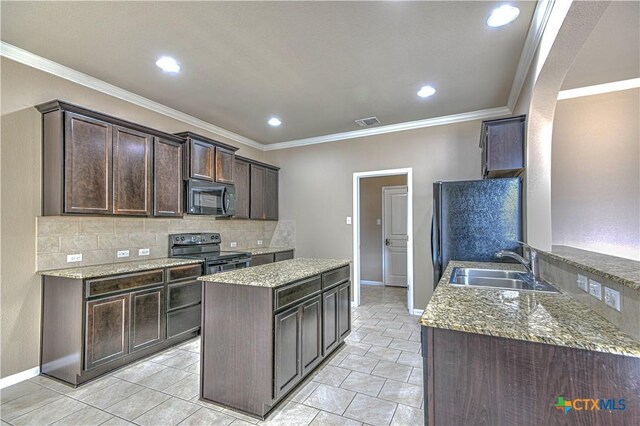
pixel 284 255
pixel 183 321
pixel 261 259
pixel 184 294
pixel 183 272
pixel 123 282
pixel 290 294
pixel 336 276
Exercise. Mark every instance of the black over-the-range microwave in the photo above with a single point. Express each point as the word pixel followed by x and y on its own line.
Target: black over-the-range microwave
pixel 209 198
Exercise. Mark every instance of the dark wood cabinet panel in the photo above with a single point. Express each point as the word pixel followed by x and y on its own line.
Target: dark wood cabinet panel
pixel 502 142
pixel 225 164
pixel 241 178
pixel 287 350
pixel 131 172
pixel 330 337
pixel 167 178
pixel 107 330
pixel 311 329
pixel 283 255
pixel 87 165
pixel 270 199
pixel 261 259
pixel 147 318
pixel 184 294
pixel 344 310
pixel 257 192
pixel 201 160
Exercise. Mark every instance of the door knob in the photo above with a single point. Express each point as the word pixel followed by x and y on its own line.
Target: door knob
pixel 387 242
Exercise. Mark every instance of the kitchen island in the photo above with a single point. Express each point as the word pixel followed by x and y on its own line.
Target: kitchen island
pixel 266 328
pixel 505 356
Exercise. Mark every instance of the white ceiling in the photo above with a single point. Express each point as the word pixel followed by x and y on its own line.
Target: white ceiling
pixel 316 65
pixel 612 51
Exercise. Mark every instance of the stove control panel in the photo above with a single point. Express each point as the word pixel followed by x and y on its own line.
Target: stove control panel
pixel 195 238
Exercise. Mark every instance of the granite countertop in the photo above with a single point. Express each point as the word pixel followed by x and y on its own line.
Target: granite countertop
pixel 266 250
pixel 276 274
pixel 556 319
pixel 84 272
pixel 623 271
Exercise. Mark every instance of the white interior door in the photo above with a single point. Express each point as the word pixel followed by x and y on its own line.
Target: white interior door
pixel 394 217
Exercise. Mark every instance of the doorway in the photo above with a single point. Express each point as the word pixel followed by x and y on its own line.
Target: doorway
pixel 399 249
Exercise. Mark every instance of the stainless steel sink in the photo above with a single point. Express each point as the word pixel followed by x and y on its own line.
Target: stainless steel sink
pixel 498 278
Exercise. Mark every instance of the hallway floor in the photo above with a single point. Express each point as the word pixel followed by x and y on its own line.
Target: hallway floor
pixel 375 378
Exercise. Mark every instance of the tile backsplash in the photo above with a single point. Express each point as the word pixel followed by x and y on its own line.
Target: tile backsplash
pixel 99 238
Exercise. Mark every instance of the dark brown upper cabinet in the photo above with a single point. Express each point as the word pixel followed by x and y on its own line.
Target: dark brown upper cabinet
pixel 208 159
pixel 502 143
pixel 263 190
pixel 94 163
pixel 242 177
pixel 131 172
pixel 87 164
pixel 167 175
pixel 225 165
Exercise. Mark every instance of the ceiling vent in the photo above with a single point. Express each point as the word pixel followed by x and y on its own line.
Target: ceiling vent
pixel 368 122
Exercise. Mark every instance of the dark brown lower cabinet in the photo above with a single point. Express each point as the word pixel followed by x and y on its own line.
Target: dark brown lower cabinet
pixel 147 318
pixel 92 326
pixel 499 381
pixel 107 336
pixel 287 350
pixel 259 343
pixel 263 259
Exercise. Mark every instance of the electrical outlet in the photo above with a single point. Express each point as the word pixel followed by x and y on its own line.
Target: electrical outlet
pixel 348 220
pixel 378 221
pixel 582 283
pixel 143 252
pixel 595 289
pixel 234 244
pixel 74 258
pixel 612 298
pixel 122 253
pixel 259 242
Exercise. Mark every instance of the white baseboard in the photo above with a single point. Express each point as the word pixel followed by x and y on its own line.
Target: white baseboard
pixel 367 282
pixel 19 377
pixel 418 311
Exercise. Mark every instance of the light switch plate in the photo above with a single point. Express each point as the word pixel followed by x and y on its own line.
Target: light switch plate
pixel 379 221
pixel 143 252
pixel 233 244
pixel 582 283
pixel 348 220
pixel 259 242
pixel 74 258
pixel 122 253
pixel 612 298
pixel 595 289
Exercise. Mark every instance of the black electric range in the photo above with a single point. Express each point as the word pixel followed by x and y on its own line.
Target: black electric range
pixel 206 246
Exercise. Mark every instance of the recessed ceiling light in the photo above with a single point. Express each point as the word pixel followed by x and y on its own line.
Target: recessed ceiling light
pixel 503 15
pixel 273 121
pixel 168 64
pixel 426 91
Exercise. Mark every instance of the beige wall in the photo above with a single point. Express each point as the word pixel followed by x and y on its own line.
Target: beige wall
pixel 23 87
pixel 370 231
pixel 316 186
pixel 595 173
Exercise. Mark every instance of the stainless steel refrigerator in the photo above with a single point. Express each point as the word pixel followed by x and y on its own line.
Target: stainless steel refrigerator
pixel 472 220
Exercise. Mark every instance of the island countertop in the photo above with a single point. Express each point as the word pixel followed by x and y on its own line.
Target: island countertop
pixel 276 274
pixel 556 319
pixel 95 271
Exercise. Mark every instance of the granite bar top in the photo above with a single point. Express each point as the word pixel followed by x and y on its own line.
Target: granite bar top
pixel 623 271
pixel 555 319
pixel 266 250
pixel 276 274
pixel 84 272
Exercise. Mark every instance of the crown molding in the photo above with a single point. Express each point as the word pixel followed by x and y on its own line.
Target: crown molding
pixel 599 89
pixel 43 64
pixel 410 125
pixel 531 43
